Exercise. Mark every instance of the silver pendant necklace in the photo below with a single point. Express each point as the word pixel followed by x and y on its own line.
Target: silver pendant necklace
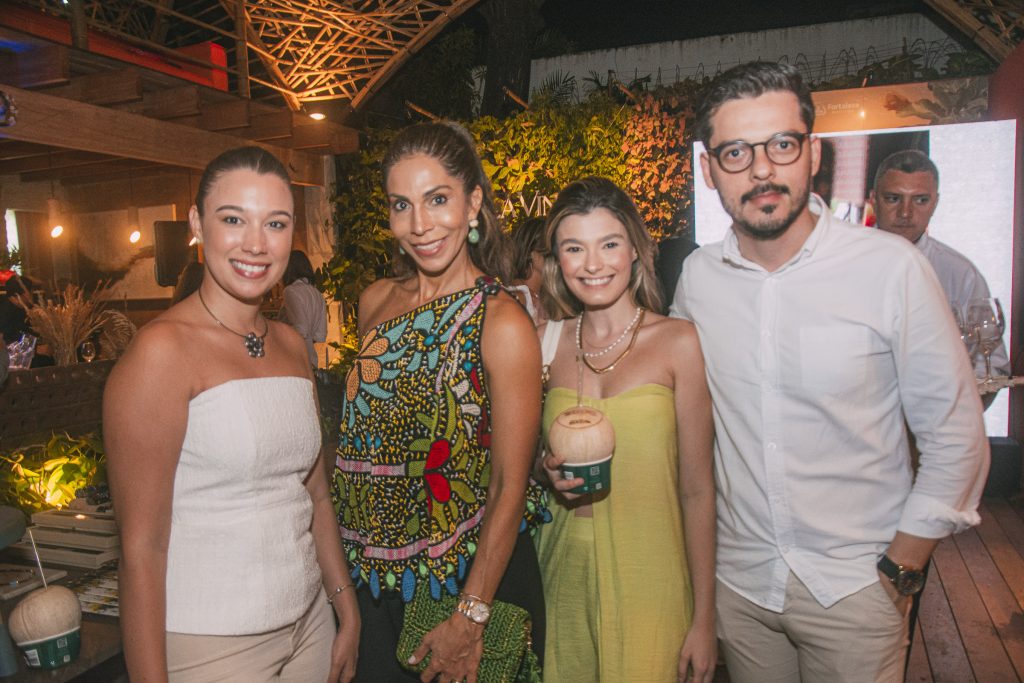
pixel 253 342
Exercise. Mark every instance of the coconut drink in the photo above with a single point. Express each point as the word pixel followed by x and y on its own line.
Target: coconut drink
pixel 45 625
pixel 585 438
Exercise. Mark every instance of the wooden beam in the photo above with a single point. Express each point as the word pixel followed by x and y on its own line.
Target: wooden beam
pixel 171 103
pixel 48 120
pixel 40 66
pixel 93 171
pixel 225 115
pixel 103 87
pixel 14 149
pixel 45 162
pixel 335 138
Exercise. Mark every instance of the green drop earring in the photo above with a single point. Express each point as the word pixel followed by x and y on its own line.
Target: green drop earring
pixel 474 235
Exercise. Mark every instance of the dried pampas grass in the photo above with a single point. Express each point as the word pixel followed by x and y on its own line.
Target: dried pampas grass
pixel 65 326
pixel 116 331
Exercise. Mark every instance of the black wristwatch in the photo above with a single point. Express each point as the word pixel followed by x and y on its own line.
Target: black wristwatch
pixel 908 581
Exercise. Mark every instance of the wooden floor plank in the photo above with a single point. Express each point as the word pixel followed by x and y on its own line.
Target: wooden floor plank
pixel 999 600
pixel 946 654
pixel 1010 519
pixel 918 668
pixel 981 640
pixel 1000 546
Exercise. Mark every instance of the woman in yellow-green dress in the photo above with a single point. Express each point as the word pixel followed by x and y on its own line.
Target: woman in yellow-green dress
pixel 628 572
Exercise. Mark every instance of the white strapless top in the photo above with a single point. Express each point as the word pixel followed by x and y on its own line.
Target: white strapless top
pixel 241 558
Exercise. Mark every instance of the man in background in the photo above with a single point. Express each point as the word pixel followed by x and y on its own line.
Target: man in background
pixel 905 195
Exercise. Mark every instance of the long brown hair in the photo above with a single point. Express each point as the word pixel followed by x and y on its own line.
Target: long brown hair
pixel 580 198
pixel 453 147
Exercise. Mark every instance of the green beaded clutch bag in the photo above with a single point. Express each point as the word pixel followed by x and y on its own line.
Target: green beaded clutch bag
pixel 507 657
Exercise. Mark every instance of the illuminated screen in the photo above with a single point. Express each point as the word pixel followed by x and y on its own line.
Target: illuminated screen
pixel 975 211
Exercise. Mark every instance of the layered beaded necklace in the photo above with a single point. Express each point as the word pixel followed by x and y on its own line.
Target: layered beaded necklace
pixel 634 325
pixel 253 342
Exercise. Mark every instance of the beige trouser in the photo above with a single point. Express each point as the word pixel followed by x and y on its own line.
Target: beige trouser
pixel 298 653
pixel 861 638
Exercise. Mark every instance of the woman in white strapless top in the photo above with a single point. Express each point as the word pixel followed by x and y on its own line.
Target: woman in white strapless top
pixel 231 558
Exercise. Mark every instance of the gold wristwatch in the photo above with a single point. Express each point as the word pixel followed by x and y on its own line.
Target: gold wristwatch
pixel 474 609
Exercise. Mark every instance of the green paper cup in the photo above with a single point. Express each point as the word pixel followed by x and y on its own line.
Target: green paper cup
pixel 53 652
pixel 596 475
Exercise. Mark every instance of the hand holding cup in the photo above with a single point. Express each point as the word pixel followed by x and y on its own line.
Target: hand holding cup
pixel 582 442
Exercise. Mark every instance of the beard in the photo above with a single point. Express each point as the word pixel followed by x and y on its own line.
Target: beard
pixel 771 226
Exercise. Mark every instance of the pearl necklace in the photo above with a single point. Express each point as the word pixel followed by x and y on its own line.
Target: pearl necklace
pixel 598 354
pixel 253 342
pixel 581 356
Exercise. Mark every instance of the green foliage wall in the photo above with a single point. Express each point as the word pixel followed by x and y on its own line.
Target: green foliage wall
pixel 642 146
pixel 638 138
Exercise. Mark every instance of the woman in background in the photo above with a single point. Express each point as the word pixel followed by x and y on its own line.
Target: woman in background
pixel 441 418
pixel 304 306
pixel 528 265
pixel 629 572
pixel 228 540
pixel 188 281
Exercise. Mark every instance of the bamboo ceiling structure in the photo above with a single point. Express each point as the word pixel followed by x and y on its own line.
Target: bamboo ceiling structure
pixel 996 26
pixel 308 51
pixel 304 50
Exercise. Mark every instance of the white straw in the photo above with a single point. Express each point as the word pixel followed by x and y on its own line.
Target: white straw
pixel 42 574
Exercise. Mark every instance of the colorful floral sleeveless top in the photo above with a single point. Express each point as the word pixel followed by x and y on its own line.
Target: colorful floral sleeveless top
pixel 410 482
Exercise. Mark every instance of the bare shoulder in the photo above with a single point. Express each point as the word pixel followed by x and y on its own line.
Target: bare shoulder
pixel 506 316
pixel 374 300
pixel 158 356
pixel 673 334
pixel 509 337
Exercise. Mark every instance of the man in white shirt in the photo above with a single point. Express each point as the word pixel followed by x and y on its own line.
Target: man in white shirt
pixel 905 195
pixel 819 337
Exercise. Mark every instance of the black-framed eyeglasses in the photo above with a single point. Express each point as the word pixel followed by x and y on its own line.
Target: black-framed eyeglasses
pixel 738 155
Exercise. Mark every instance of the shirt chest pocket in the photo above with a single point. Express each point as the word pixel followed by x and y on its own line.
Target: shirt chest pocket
pixel 834 360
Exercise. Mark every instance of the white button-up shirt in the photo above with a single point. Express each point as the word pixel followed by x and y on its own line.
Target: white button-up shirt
pixel 812 369
pixel 962 281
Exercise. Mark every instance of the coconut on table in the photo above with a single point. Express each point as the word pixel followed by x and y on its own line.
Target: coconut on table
pixel 46 626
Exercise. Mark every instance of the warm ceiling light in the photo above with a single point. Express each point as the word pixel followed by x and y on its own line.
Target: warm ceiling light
pixel 57 231
pixel 135 236
pixel 318 116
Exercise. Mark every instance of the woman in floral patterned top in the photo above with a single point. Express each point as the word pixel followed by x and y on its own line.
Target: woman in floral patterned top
pixel 441 418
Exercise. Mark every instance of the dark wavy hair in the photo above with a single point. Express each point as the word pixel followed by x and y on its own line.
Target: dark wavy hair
pixel 453 147
pixel 580 198
pixel 250 158
pixel 752 79
pixel 527 238
pixel 298 267
pixel 189 279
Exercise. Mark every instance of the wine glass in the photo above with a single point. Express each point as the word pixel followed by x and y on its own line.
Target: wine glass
pixel 88 351
pixel 985 318
pixel 966 331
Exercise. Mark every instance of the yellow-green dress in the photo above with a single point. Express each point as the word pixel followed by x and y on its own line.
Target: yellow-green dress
pixel 616 586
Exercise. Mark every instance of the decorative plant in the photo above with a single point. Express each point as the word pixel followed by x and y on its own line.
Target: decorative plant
pixel 956 101
pixel 363 243
pixel 116 332
pixel 347 349
pixel 10 258
pixel 64 326
pixel 47 475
